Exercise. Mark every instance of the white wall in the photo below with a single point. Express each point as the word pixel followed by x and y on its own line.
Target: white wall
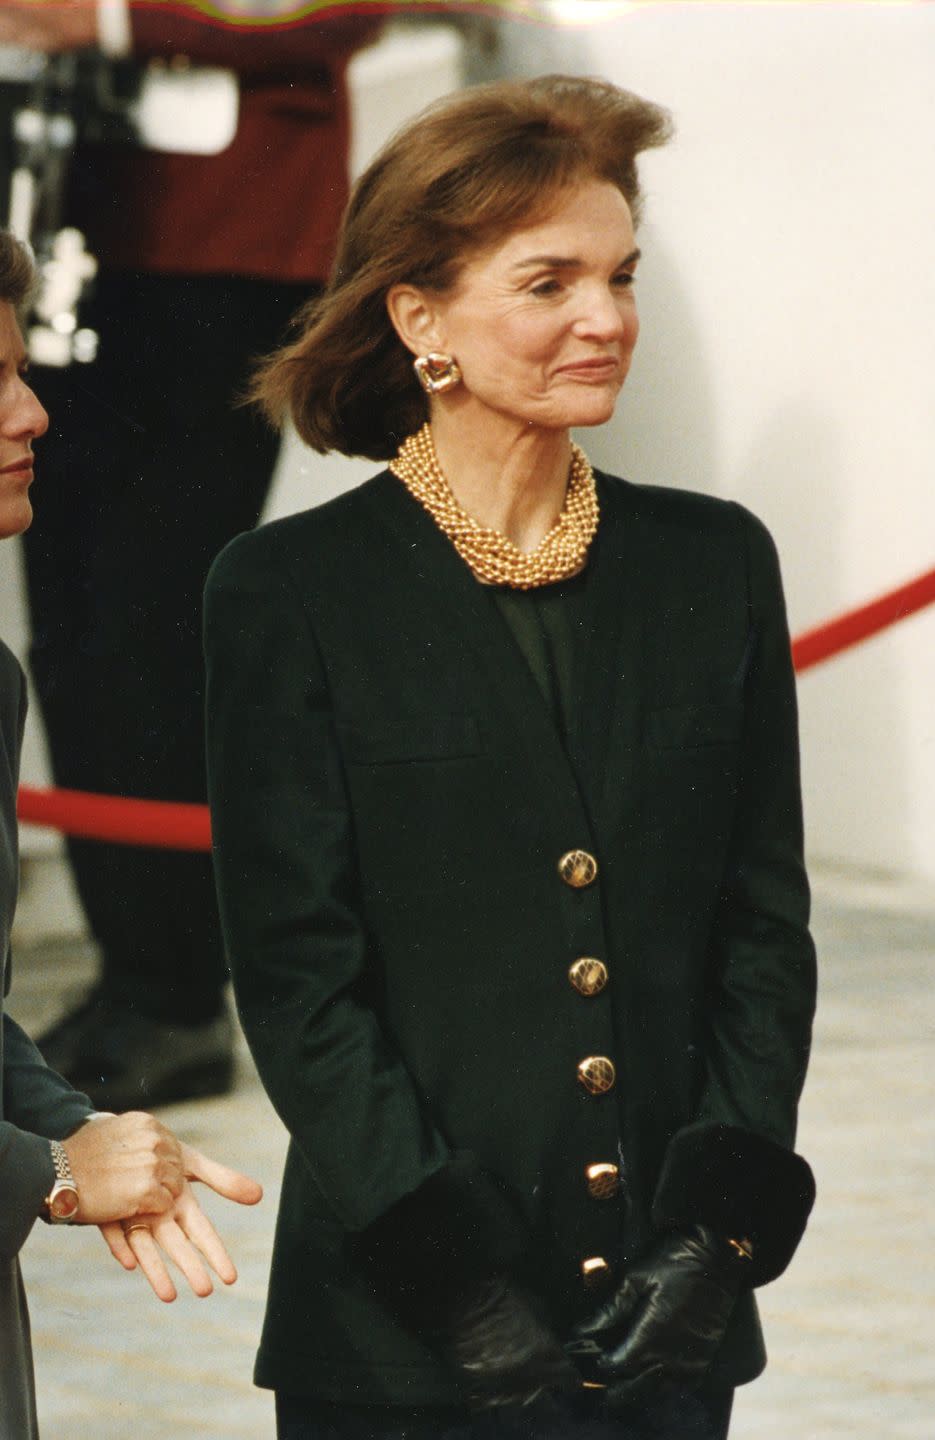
pixel 788 346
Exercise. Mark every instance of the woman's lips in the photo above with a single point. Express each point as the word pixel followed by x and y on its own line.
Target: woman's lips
pixel 21 466
pixel 592 369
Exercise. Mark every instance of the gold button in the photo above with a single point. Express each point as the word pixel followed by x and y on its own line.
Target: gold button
pixel 602 1181
pixel 594 1270
pixel 597 1074
pixel 577 868
pixel 589 976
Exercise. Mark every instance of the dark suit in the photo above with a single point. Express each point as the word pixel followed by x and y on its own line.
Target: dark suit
pixel 35 1104
pixel 390 799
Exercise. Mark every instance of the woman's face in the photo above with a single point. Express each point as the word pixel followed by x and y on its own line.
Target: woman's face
pixel 544 323
pixel 22 418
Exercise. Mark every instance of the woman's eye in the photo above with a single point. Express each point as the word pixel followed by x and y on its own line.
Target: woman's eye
pixel 624 279
pixel 546 287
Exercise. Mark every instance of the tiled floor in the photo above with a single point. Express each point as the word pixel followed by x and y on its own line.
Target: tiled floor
pixel 849 1328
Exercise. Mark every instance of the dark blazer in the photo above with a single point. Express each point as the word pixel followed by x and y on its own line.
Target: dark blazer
pixel 36 1105
pixel 390 800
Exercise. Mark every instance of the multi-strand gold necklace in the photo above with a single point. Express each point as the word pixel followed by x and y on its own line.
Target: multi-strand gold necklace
pixel 493 557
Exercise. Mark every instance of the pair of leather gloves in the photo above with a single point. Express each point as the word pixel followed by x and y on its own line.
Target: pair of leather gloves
pixel 441 1261
pixel 662 1324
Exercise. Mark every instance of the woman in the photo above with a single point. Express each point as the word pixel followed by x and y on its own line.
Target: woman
pixel 54 1165
pixel 504 785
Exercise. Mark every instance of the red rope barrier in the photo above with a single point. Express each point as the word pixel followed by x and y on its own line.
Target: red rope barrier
pixel 823 641
pixel 165 825
pixel 157 823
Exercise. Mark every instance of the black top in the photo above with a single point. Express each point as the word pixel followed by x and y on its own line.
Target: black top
pixel 550 624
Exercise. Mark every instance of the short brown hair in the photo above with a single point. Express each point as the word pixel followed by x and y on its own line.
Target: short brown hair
pixel 458 177
pixel 17 271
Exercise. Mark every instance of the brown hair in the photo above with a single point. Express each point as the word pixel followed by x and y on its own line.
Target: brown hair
pixel 17 271
pixel 458 177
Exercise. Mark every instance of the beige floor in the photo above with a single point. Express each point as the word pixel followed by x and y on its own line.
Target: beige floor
pixel 850 1327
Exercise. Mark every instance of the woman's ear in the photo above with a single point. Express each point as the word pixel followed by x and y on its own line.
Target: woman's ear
pixel 414 318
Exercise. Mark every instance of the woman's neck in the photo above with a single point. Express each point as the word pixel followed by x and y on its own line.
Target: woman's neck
pixel 510 478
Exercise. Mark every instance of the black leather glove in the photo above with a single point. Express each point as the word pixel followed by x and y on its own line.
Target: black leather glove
pixel 440 1261
pixel 503 1350
pixel 667 1319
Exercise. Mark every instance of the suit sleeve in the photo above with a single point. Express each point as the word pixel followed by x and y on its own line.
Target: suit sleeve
pixel 39 1106
pixel 734 1167
pixel 34 1096
pixel 287 885
pixel 173 27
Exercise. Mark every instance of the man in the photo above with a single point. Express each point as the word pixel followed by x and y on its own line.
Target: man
pixel 153 468
pixel 59 1160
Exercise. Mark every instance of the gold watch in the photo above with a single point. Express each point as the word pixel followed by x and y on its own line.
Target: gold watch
pixel 61 1203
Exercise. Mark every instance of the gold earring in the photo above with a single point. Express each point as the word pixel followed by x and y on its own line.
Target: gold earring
pixel 437 372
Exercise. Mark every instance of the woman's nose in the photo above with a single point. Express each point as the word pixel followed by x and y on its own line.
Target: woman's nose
pixel 604 315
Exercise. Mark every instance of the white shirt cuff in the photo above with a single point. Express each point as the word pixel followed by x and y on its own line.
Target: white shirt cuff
pixel 114 33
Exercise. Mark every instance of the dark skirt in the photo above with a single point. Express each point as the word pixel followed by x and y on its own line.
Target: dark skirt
pixel 679 1415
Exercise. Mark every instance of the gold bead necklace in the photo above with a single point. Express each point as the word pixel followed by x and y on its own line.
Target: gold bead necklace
pixel 493 558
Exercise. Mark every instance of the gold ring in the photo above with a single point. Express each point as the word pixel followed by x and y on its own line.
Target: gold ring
pixel 129 1229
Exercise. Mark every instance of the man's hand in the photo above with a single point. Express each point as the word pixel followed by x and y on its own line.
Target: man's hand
pixel 124 1165
pixel 183 1233
pixel 50 25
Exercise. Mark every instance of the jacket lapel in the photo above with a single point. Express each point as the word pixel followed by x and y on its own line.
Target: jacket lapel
pixel 608 692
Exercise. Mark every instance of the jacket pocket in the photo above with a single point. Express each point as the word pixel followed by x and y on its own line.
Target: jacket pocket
pixel 690 727
pixel 401 739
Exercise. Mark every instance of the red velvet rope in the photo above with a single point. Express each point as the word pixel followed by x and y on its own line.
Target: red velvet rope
pixel 164 825
pixel 158 823
pixel 813 646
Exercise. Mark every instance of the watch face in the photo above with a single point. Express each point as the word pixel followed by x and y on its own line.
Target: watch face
pixel 63 1204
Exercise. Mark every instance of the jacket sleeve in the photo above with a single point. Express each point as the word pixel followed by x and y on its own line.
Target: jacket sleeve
pixel 178 27
pixel 288 894
pixel 734 1167
pixel 763 972
pixel 39 1106
pixel 34 1096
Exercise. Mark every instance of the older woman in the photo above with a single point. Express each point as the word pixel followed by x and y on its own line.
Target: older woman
pixel 505 794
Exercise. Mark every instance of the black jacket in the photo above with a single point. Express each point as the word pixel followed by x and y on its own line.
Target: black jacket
pixel 390 801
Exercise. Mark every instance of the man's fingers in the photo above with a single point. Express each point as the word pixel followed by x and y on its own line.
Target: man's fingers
pixel 183 1253
pixel 112 1232
pixel 144 1247
pixel 229 1183
pixel 185 1234
pixel 196 1225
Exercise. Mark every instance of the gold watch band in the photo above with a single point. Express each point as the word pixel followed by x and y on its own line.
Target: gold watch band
pixel 61 1203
